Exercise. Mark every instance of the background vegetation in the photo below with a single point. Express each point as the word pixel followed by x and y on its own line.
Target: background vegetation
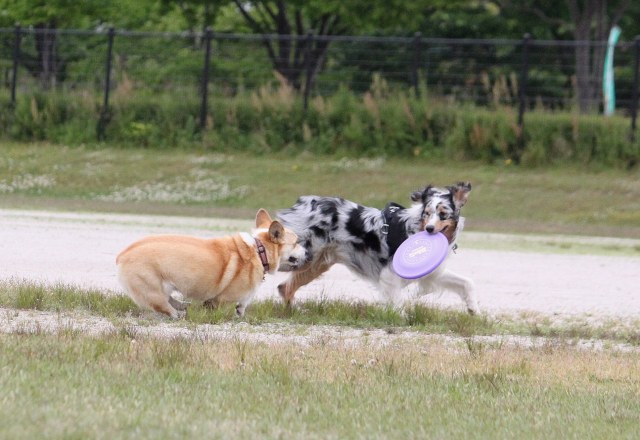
pixel 380 123
pixel 463 109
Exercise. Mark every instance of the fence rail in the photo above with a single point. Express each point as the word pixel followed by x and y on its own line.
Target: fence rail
pixel 524 73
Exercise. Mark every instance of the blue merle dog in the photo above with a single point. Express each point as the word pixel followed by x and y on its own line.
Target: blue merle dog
pixel 334 230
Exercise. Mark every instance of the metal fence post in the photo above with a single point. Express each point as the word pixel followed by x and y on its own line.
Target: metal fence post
pixel 634 90
pixel 208 36
pixel 16 61
pixel 105 113
pixel 415 65
pixel 522 98
pixel 307 69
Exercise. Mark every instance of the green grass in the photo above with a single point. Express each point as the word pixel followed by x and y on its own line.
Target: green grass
pixel 417 317
pixel 36 296
pixel 559 199
pixel 360 315
pixel 114 387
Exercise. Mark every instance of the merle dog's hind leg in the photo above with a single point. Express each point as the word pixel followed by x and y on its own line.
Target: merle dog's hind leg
pixel 298 279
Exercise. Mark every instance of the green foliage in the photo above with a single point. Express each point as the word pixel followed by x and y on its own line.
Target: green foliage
pixel 73 14
pixel 382 122
pixel 581 139
pixel 29 297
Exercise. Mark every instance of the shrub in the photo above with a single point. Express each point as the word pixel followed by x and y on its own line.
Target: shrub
pixel 380 122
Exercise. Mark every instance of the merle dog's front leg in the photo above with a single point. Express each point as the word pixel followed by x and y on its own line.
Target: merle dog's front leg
pixel 463 287
pixel 391 287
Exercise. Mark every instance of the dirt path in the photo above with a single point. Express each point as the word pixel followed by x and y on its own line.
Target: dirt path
pixel 81 248
pixel 33 321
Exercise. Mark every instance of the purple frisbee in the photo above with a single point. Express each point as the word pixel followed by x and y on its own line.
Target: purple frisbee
pixel 420 254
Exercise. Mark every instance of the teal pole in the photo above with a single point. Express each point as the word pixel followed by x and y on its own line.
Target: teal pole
pixel 608 81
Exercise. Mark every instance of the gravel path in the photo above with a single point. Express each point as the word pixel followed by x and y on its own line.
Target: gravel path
pixel 33 321
pixel 80 249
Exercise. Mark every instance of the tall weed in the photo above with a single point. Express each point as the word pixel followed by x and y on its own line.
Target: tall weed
pixel 382 122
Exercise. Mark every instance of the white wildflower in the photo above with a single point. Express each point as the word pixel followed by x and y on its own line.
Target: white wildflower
pixel 360 163
pixel 26 182
pixel 178 190
pixel 211 159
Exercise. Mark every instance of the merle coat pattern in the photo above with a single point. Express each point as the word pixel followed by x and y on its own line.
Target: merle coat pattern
pixel 334 230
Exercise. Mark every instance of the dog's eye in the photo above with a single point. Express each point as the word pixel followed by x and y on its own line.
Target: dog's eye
pixel 443 216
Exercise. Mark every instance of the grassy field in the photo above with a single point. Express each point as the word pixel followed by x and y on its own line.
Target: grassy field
pixel 603 202
pixel 117 386
pixel 125 385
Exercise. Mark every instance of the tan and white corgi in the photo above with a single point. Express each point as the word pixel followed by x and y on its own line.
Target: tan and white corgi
pixel 217 270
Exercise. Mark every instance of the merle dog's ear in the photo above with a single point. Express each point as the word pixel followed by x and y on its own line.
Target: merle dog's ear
pixel 420 196
pixel 460 193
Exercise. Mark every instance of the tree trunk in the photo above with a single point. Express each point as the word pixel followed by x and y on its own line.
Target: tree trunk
pixel 582 34
pixel 584 83
pixel 290 56
pixel 46 48
pixel 592 20
pixel 599 51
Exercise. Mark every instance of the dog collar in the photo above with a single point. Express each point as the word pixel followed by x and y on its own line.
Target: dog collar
pixel 262 253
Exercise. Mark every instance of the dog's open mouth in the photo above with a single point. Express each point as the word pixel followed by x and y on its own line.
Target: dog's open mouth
pixel 448 231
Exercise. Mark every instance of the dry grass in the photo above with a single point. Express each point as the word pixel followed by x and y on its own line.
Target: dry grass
pixel 554 364
pixel 123 385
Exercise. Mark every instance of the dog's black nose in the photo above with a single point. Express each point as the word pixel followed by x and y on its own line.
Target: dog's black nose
pixel 429 229
pixel 293 260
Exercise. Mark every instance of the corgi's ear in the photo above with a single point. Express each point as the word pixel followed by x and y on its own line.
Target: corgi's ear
pixel 460 193
pixel 263 219
pixel 276 232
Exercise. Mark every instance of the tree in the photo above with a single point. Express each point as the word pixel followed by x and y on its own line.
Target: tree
pixel 588 21
pixel 292 21
pixel 287 25
pixel 592 19
pixel 46 17
pixel 197 14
